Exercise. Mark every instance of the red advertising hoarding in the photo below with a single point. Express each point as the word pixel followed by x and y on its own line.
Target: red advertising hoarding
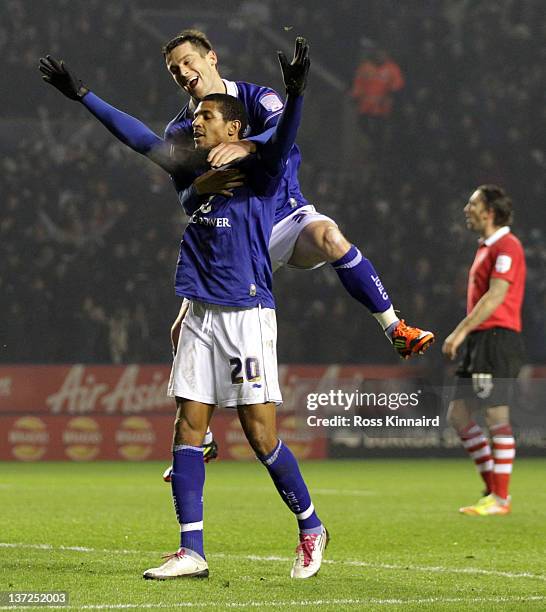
pixel 85 412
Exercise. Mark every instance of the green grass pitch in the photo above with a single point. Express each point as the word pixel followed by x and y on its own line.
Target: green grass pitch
pixel 397 541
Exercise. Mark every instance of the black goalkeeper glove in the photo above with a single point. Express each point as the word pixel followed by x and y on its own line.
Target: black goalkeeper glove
pixel 56 73
pixel 295 73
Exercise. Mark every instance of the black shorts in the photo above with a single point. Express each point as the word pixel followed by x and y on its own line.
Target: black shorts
pixel 490 365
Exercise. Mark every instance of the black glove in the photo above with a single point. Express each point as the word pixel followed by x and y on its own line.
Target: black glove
pixel 295 73
pixel 57 74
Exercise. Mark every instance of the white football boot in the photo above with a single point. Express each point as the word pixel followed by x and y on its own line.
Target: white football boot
pixel 184 563
pixel 309 554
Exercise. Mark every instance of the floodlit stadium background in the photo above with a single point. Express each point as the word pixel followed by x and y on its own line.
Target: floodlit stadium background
pixel 90 231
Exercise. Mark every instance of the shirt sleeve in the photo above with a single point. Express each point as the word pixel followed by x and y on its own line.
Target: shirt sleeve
pixel 506 264
pixel 264 136
pixel 266 109
pixel 124 127
pixel 273 155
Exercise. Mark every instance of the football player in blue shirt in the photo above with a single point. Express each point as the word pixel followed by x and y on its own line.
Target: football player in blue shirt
pixel 301 236
pixel 226 352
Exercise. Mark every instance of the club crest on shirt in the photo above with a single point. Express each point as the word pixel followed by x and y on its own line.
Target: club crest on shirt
pixel 503 264
pixel 271 102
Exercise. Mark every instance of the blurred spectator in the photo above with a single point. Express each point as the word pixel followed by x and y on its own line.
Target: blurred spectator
pixel 376 80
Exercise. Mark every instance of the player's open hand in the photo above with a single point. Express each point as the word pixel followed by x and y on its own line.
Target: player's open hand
pixel 295 73
pixel 219 182
pixel 56 73
pixel 227 152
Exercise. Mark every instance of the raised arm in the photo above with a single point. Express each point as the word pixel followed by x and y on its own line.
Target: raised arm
pixel 129 130
pixel 179 162
pixel 124 127
pixel 274 152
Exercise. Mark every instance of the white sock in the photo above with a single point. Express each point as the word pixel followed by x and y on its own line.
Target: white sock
pixel 386 318
pixel 208 437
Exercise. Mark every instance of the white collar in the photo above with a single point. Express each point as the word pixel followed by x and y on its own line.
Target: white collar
pixel 231 88
pixel 502 231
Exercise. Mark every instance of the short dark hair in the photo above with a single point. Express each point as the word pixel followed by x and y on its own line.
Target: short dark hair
pixel 232 109
pixel 497 200
pixel 197 38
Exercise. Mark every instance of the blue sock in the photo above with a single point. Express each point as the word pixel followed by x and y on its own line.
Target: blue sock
pixel 285 472
pixel 361 280
pixel 187 482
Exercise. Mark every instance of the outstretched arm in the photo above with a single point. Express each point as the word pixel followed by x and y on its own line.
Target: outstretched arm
pixel 129 130
pixel 274 152
pixel 178 161
pixel 124 127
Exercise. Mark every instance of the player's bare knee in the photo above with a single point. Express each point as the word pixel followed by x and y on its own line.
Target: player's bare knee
pixel 187 433
pixel 458 415
pixel 456 421
pixel 333 243
pixel 262 442
pixel 263 446
pixel 496 416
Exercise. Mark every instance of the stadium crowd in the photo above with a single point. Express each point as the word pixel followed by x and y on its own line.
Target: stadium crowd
pixel 89 232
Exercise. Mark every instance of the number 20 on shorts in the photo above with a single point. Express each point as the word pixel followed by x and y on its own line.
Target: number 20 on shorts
pixel 252 370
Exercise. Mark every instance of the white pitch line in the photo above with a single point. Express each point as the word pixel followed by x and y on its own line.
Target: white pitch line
pixel 438 569
pixel 339 492
pixel 300 603
pixel 73 548
pixel 389 566
pixel 348 492
pixel 442 570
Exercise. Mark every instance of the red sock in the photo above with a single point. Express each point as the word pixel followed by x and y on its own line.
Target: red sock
pixel 478 448
pixel 504 451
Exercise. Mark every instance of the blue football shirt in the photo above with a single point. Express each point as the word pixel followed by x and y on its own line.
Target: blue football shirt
pixel 224 253
pixel 264 107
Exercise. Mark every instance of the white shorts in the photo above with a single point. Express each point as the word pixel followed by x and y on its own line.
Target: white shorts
pixel 286 232
pixel 226 356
